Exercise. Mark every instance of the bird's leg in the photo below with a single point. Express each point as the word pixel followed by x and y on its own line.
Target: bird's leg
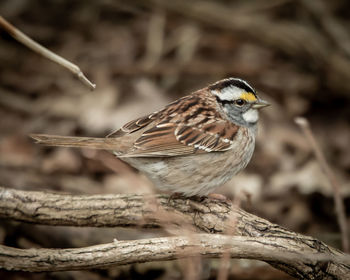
pixel 175 195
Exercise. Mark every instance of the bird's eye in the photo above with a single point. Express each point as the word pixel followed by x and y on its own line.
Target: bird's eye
pixel 240 102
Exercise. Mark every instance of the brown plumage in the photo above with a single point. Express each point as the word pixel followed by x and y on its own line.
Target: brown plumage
pixel 192 132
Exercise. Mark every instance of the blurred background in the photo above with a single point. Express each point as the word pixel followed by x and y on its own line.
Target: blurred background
pixel 144 54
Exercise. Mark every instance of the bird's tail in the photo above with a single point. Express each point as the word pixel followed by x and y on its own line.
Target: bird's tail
pixel 71 141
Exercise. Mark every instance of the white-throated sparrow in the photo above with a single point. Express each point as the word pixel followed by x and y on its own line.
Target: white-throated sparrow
pixel 193 145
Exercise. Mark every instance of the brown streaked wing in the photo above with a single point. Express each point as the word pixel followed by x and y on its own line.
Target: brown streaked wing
pixel 159 141
pixel 186 109
pixel 171 139
pixel 133 126
pixel 214 137
pixel 188 125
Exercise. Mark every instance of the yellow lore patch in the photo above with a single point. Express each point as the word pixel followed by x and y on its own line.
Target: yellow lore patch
pixel 248 96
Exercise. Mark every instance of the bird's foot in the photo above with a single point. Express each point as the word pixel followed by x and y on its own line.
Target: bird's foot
pixel 218 197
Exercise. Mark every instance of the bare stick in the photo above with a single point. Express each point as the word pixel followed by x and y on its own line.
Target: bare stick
pixel 25 40
pixel 338 199
pixel 207 216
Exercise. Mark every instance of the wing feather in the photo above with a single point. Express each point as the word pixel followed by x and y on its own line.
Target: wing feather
pixel 159 142
pixel 187 126
pixel 133 126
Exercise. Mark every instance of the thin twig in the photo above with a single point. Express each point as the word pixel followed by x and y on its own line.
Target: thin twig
pixel 338 199
pixel 28 42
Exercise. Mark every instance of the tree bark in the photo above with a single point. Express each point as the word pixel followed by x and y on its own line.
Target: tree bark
pixel 301 256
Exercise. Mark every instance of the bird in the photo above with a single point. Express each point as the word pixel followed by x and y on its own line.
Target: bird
pixel 191 146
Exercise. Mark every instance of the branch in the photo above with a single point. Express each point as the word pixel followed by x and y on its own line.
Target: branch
pixel 296 254
pixel 34 46
pixel 160 249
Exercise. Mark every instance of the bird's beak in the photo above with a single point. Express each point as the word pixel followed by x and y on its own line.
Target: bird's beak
pixel 260 104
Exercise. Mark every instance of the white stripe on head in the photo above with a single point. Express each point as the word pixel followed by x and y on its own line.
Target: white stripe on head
pixel 231 89
pixel 229 93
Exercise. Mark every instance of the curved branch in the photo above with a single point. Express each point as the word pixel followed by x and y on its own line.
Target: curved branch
pixel 301 256
pixel 156 249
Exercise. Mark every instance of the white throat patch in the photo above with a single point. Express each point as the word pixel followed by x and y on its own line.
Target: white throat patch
pixel 251 116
